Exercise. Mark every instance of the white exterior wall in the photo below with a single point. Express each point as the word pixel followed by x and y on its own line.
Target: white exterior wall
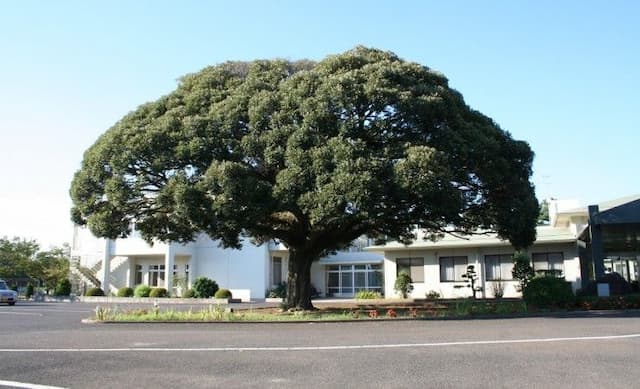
pixel 232 269
pixel 87 247
pixel 318 277
pixel 571 260
pixel 475 256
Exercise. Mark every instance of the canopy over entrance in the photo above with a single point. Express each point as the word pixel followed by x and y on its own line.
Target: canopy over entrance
pixel 612 236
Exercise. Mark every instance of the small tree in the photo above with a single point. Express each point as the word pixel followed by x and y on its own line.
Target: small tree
pixel 29 292
pixel 472 277
pixel 63 288
pixel 204 287
pixel 522 270
pixel 403 284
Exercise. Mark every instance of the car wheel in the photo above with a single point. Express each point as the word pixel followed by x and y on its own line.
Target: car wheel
pixel 13 303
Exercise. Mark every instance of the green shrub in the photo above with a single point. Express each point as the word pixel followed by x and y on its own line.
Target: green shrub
pixel 63 288
pixel 546 292
pixel 187 294
pixel 279 291
pixel 222 293
pixel 368 295
pixel 158 292
pixel 204 287
pixel 142 291
pixel 29 292
pixel 94 292
pixel 522 270
pixel 433 295
pixel 403 284
pixel 125 292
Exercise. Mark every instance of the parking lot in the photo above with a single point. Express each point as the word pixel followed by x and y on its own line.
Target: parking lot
pixel 46 344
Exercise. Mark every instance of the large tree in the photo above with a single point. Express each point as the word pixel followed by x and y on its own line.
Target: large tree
pixel 310 154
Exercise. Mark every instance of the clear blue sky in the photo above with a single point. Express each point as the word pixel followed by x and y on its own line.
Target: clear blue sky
pixel 562 75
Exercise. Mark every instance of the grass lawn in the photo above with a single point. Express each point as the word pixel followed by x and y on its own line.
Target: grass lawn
pixel 361 310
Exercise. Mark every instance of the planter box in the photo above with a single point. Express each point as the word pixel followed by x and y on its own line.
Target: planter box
pixel 226 301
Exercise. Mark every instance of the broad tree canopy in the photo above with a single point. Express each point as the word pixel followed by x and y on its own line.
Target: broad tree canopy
pixel 311 154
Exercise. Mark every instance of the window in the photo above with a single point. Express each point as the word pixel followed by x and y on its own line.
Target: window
pixel 452 268
pixel 498 267
pixel 156 275
pixel 276 271
pixel 548 261
pixel 348 279
pixel 186 273
pixel 414 267
pixel 138 274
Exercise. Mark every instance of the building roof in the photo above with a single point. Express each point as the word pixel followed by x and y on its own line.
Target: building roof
pixel 545 234
pixel 605 205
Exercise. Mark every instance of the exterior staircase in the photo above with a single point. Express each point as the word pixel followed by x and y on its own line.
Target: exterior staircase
pixel 89 276
pixel 84 274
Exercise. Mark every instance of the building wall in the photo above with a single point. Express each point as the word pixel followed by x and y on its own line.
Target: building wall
pixel 233 269
pixel 475 256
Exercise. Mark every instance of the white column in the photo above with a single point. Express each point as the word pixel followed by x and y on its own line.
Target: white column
pixel 106 268
pixel 192 271
pixel 169 260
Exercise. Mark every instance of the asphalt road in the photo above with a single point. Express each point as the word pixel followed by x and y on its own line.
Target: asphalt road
pixel 46 344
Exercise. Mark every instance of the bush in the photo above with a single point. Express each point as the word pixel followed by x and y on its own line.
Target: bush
pixel 158 292
pixel 279 291
pixel 142 291
pixel 63 288
pixel 29 292
pixel 125 292
pixel 187 294
pixel 522 270
pixel 204 287
pixel 223 294
pixel 403 284
pixel 94 292
pixel 433 295
pixel 367 295
pixel 497 288
pixel 545 292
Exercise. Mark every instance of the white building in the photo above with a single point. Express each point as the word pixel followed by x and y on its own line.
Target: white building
pixel 564 245
pixel 248 272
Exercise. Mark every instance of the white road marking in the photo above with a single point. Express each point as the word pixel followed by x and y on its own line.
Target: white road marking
pixel 55 310
pixel 21 313
pixel 319 348
pixel 14 384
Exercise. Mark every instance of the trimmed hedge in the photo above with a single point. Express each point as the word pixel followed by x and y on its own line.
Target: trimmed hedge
pixel 204 287
pixel 187 294
pixel 223 294
pixel 630 301
pixel 94 292
pixel 125 292
pixel 142 291
pixel 158 292
pixel 545 292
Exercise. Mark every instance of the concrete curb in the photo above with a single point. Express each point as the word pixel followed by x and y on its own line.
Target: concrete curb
pixel 556 314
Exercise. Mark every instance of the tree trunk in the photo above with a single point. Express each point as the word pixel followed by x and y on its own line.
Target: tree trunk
pixel 299 280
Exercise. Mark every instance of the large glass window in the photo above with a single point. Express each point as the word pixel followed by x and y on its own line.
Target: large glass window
pixel 498 267
pixel 346 280
pixel 138 274
pixel 156 275
pixel 276 271
pixel 414 267
pixel 452 268
pixel 553 261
